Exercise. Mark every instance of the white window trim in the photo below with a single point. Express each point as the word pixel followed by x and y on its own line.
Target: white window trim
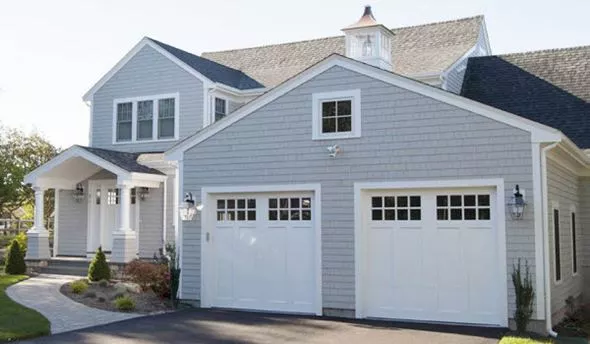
pixel 213 110
pixel 574 254
pixel 318 98
pixel 555 206
pixel 134 101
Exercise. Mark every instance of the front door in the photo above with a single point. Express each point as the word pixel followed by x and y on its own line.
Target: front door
pixel 104 214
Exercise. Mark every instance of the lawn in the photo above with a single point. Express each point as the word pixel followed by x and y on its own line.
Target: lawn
pixel 517 340
pixel 16 321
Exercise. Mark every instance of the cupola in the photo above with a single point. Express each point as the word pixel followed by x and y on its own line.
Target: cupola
pixel 369 42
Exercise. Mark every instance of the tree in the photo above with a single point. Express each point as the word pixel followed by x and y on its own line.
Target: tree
pixel 99 268
pixel 21 153
pixel 15 262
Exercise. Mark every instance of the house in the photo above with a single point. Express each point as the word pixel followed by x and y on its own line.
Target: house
pixel 387 173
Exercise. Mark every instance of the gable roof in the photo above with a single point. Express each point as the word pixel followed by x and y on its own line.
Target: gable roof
pixel 212 70
pixel 417 50
pixel 539 132
pixel 126 161
pixel 203 69
pixel 550 87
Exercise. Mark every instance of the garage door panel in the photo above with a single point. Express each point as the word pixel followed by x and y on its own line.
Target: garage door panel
pixel 440 267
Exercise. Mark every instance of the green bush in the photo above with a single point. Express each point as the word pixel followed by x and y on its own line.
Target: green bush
pixel 525 295
pixel 99 269
pixel 21 237
pixel 103 283
pixel 15 261
pixel 125 303
pixel 79 286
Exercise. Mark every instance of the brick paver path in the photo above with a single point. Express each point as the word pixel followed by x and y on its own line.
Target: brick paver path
pixel 42 294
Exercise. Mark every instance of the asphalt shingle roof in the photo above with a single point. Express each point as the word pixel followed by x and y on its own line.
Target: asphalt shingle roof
pixel 212 70
pixel 124 160
pixel 551 87
pixel 422 49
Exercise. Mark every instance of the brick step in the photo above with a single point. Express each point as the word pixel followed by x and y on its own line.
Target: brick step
pixel 67 262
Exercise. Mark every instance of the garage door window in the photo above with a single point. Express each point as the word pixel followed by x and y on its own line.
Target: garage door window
pixel 241 209
pixel 463 207
pixel 289 209
pixel 396 208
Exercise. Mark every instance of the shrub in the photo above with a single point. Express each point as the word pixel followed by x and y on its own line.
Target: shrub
pixel 118 295
pixel 99 269
pixel 15 261
pixel 79 286
pixel 125 303
pixel 103 283
pixel 21 237
pixel 525 294
pixel 149 275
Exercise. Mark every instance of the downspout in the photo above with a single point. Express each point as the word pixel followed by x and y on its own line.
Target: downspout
pixel 546 263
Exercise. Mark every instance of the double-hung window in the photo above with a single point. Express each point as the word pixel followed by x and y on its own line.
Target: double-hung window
pixel 146 119
pixel 220 108
pixel 336 114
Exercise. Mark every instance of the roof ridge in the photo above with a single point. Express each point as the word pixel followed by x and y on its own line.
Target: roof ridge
pixel 332 37
pixel 578 47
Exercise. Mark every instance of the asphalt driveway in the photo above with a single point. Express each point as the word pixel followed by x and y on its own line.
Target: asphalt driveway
pixel 206 326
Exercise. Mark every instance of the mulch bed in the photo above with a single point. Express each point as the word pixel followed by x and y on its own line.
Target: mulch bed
pixel 104 297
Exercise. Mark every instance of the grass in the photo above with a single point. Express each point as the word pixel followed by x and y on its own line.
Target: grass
pixel 518 340
pixel 16 321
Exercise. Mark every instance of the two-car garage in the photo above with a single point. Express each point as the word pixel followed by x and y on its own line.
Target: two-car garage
pixel 433 253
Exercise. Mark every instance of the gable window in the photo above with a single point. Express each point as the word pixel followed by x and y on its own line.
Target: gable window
pixel 145 123
pixel 556 245
pixel 220 108
pixel 124 121
pixel 574 244
pixel 166 118
pixel 146 119
pixel 336 114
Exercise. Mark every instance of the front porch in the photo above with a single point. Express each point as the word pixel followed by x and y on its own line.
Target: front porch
pixel 102 199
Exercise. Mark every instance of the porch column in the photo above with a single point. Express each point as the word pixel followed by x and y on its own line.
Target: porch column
pixel 124 239
pixel 38 236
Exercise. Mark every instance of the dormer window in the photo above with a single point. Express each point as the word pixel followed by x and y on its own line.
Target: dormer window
pixel 146 119
pixel 220 108
pixel 337 115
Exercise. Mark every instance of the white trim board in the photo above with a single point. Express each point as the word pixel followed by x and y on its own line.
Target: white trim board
pixel 539 132
pixel 497 184
pixel 207 194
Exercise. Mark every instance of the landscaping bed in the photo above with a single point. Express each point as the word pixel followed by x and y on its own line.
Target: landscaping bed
pixel 104 295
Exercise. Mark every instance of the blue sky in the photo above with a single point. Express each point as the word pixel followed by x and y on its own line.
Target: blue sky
pixel 52 52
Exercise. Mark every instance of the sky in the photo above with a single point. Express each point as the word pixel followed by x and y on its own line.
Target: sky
pixel 52 52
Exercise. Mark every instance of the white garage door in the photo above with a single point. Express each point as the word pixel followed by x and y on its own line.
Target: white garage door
pixel 432 255
pixel 264 249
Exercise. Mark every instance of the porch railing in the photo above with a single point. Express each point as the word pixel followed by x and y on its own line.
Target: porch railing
pixel 14 226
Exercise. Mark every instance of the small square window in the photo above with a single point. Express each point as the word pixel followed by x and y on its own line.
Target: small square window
pixel 469 200
pixel 442 201
pixel 336 114
pixel 469 214
pixel 273 215
pixel 284 203
pixel 272 203
pixel 415 214
pixel 294 202
pixel 402 201
pixel 252 204
pixel 284 215
pixel 377 215
pixel 402 214
pixel 389 214
pixel 484 214
pixel 220 204
pixel 306 203
pixel 241 204
pixel 456 214
pixel 241 215
pixel 231 204
pixel 306 215
pixel 483 200
pixel 455 201
pixel 377 202
pixel 414 201
pixel 442 214
pixel 294 215
pixel 389 202
pixel 251 215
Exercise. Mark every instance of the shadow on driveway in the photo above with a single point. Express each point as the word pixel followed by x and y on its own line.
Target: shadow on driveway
pixel 218 326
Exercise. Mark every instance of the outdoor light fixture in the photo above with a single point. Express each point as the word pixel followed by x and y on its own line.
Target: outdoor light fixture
pixel 334 150
pixel 78 193
pixel 144 193
pixel 188 209
pixel 517 203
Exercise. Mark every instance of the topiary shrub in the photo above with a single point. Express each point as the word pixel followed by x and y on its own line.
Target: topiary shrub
pixel 79 286
pixel 99 269
pixel 125 304
pixel 525 295
pixel 15 261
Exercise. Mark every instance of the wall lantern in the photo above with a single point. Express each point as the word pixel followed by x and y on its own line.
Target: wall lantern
pixel 517 203
pixel 334 150
pixel 187 208
pixel 78 193
pixel 144 193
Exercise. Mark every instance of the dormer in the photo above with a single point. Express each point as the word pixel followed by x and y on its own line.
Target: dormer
pixel 369 42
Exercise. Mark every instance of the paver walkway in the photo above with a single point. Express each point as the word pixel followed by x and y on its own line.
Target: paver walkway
pixel 42 294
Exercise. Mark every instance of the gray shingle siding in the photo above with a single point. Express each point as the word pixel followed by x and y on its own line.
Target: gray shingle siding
pixel 405 136
pixel 147 73
pixel 564 187
pixel 72 225
pixel 455 76
pixel 151 223
pixel 584 253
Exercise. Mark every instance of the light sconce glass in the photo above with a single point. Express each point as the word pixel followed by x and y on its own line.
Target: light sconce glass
pixel 517 203
pixel 144 193
pixel 188 209
pixel 78 193
pixel 334 150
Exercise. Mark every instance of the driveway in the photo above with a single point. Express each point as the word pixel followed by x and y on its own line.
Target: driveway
pixel 215 326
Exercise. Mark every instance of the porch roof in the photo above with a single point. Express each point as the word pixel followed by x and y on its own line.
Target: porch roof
pixel 78 163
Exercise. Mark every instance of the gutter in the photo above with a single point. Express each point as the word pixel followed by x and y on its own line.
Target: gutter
pixel 547 269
